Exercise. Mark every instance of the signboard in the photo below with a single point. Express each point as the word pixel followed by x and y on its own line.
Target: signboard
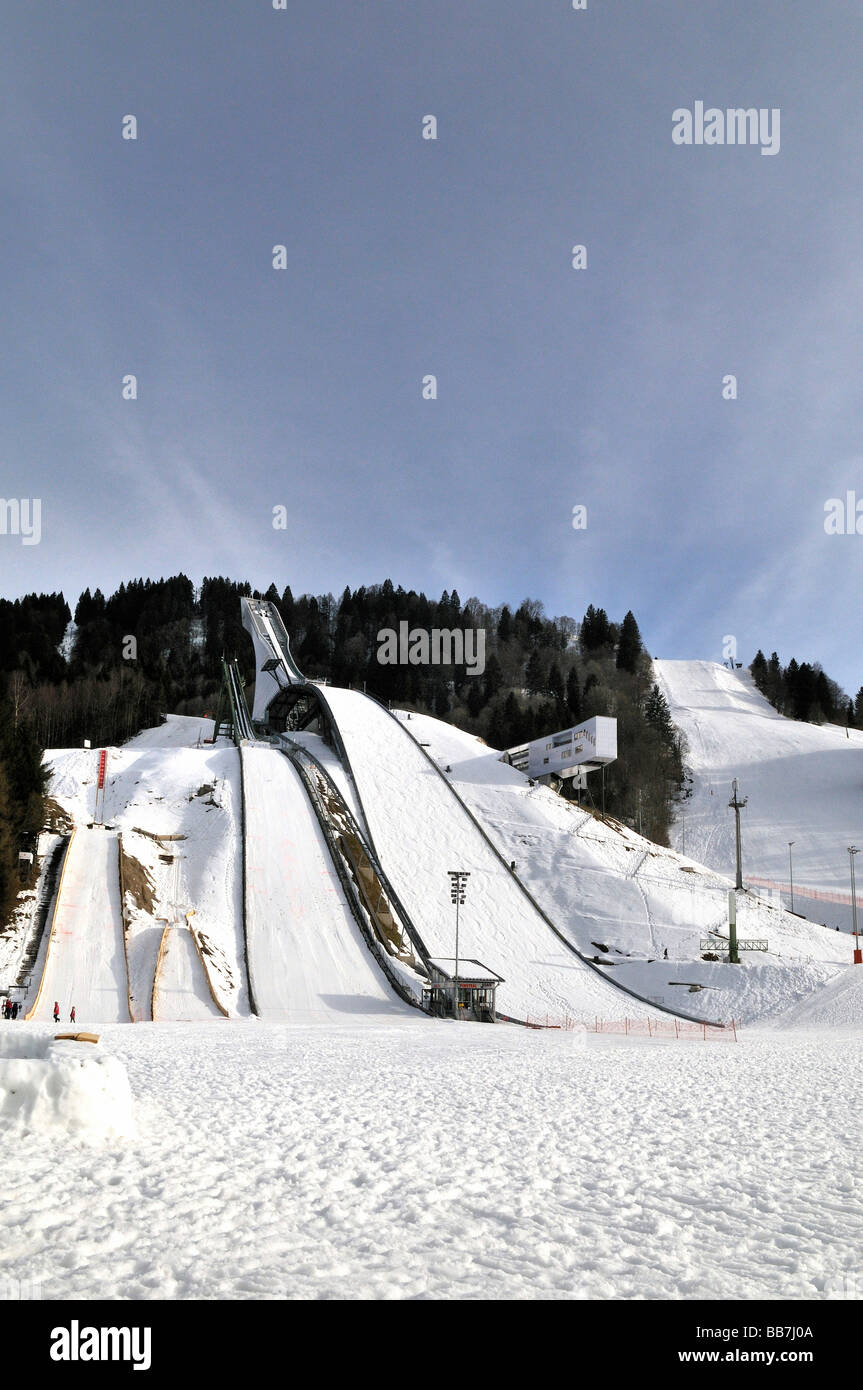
pixel 103 758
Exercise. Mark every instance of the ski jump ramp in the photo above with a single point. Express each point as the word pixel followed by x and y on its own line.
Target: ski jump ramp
pixel 307 958
pixel 274 665
pixel 421 830
pixel 181 993
pixel 86 962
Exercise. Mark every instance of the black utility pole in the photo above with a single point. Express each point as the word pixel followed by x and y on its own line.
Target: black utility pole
pixel 737 806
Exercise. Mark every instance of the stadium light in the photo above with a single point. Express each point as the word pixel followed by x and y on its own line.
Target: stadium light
pixel 858 955
pixel 457 889
pixel 737 806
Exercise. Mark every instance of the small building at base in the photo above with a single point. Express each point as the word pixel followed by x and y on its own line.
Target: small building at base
pixel 477 987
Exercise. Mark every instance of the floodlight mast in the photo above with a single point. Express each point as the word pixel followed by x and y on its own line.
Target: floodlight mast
pixel 858 960
pixel 458 887
pixel 737 806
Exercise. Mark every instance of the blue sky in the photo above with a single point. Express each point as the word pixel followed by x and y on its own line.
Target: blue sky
pixel 302 388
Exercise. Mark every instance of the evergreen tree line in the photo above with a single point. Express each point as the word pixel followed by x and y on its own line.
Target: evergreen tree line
pixel 22 793
pixel 111 686
pixel 540 673
pixel 803 691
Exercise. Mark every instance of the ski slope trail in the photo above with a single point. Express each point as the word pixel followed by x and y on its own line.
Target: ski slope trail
pixel 421 831
pixel 308 961
pixel 181 993
pixel 86 963
pixel 804 783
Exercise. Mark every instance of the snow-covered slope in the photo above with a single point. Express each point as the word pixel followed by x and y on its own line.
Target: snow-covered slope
pixel 421 832
pixel 178 731
pixel 640 912
pixel 308 961
pixel 804 782
pixel 177 810
pixel 181 992
pixel 86 966
pixel 606 887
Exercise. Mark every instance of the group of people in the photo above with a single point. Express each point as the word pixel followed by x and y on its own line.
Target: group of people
pixel 10 1008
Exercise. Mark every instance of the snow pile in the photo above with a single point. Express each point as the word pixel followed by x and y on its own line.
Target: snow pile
pixel 63 1087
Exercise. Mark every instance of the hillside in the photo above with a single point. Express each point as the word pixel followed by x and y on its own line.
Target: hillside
pixel 804 782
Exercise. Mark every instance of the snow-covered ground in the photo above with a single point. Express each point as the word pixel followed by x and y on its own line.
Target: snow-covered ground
pixel 804 783
pixel 419 1159
pixel 350 1147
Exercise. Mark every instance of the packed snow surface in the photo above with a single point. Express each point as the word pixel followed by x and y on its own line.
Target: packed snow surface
pixel 420 1159
pixel 181 991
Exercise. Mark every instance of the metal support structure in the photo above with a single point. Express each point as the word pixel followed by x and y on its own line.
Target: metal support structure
pixel 458 887
pixel 858 957
pixel 737 806
pixel 733 957
pixel 232 684
pixel 791 873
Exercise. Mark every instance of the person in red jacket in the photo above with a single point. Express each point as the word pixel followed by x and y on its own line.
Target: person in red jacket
pixel 72 1015
pixel 56 1012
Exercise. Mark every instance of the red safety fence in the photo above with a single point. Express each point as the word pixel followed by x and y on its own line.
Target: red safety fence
pixel 668 1028
pixel 679 1028
pixel 822 895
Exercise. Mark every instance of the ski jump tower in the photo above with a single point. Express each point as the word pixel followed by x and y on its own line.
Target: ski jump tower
pixel 275 668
